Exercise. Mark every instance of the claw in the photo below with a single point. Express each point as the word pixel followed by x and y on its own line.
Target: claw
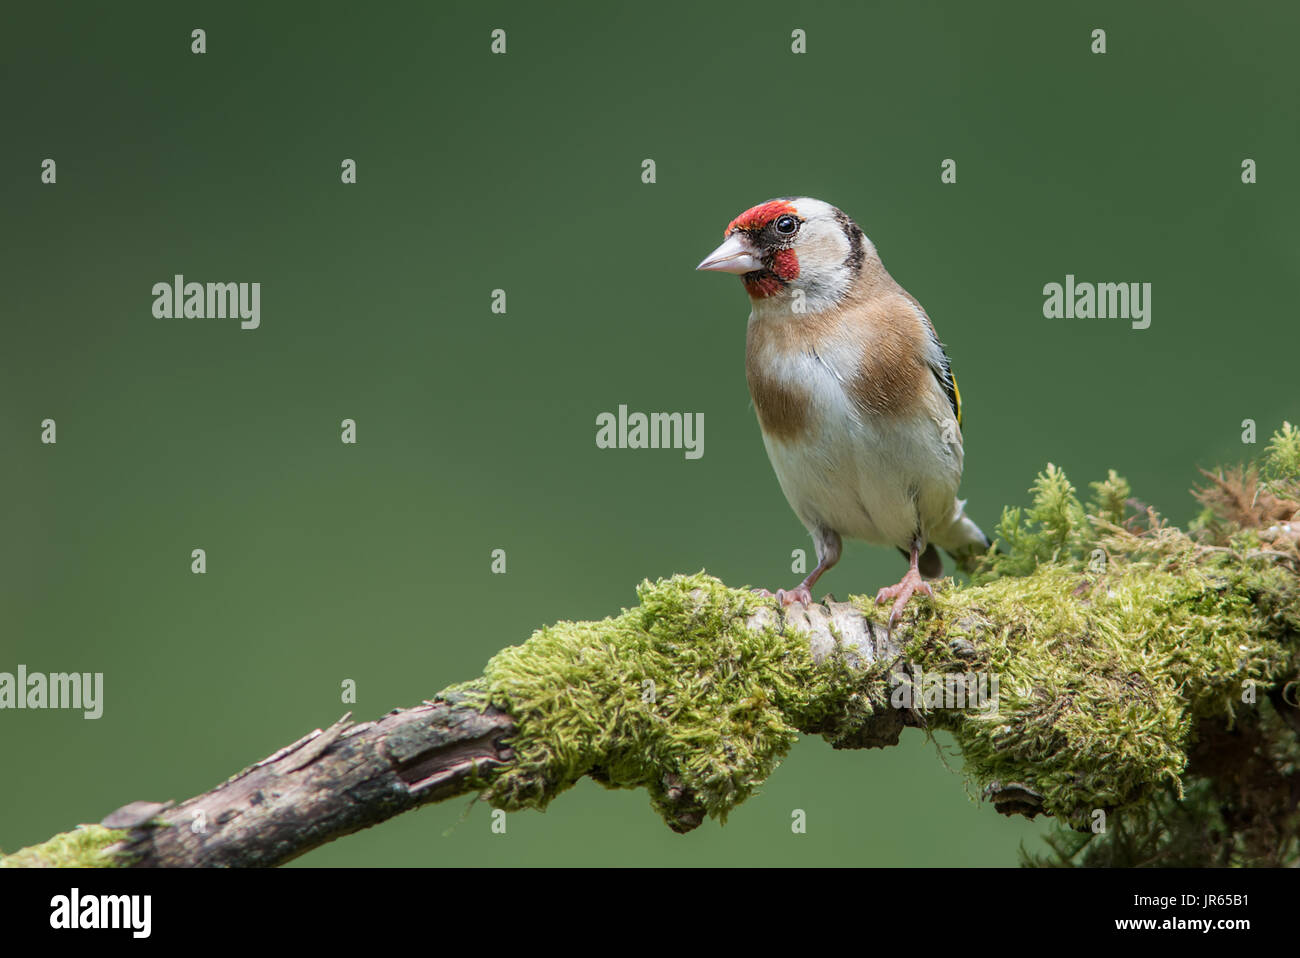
pixel 800 593
pixel 908 586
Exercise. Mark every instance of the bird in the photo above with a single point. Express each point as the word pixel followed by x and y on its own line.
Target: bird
pixel 854 393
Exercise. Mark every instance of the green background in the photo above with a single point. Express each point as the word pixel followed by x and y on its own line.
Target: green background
pixel 476 431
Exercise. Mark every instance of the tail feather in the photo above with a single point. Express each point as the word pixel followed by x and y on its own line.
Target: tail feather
pixel 961 538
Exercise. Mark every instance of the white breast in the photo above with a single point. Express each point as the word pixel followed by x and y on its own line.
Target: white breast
pixel 865 476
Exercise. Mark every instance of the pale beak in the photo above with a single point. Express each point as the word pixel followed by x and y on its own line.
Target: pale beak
pixel 735 255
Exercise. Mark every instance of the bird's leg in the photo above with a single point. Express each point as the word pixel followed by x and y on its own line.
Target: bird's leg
pixel 803 591
pixel 828 553
pixel 910 584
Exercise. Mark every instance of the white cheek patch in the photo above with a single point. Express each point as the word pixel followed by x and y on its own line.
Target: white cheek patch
pixel 824 275
pixel 823 246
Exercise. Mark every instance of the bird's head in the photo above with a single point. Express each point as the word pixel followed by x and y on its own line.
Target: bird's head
pixel 791 246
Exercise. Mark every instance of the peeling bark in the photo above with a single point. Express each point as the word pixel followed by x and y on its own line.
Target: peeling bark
pixel 325 785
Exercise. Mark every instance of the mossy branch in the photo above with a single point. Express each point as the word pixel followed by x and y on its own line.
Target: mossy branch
pixel 1102 667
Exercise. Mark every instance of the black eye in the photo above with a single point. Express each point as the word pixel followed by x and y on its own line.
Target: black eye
pixel 787 225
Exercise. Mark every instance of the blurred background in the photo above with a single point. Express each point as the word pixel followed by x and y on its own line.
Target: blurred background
pixel 522 172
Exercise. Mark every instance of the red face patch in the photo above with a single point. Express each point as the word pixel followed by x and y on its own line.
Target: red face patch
pixel 762 284
pixel 785 264
pixel 759 216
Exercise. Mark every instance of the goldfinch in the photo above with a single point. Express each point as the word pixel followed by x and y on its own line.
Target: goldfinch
pixel 855 397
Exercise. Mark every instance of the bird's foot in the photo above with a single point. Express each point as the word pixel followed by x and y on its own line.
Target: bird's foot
pixel 800 593
pixel 910 584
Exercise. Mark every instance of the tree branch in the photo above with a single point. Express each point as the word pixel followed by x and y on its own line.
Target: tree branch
pixel 1100 665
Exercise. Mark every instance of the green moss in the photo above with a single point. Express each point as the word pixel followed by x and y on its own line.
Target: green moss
pixel 677 696
pixel 1121 646
pixel 1282 457
pixel 83 847
pixel 1047 532
pixel 1101 676
pixel 1111 498
pixel 1118 643
pixel 1103 669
